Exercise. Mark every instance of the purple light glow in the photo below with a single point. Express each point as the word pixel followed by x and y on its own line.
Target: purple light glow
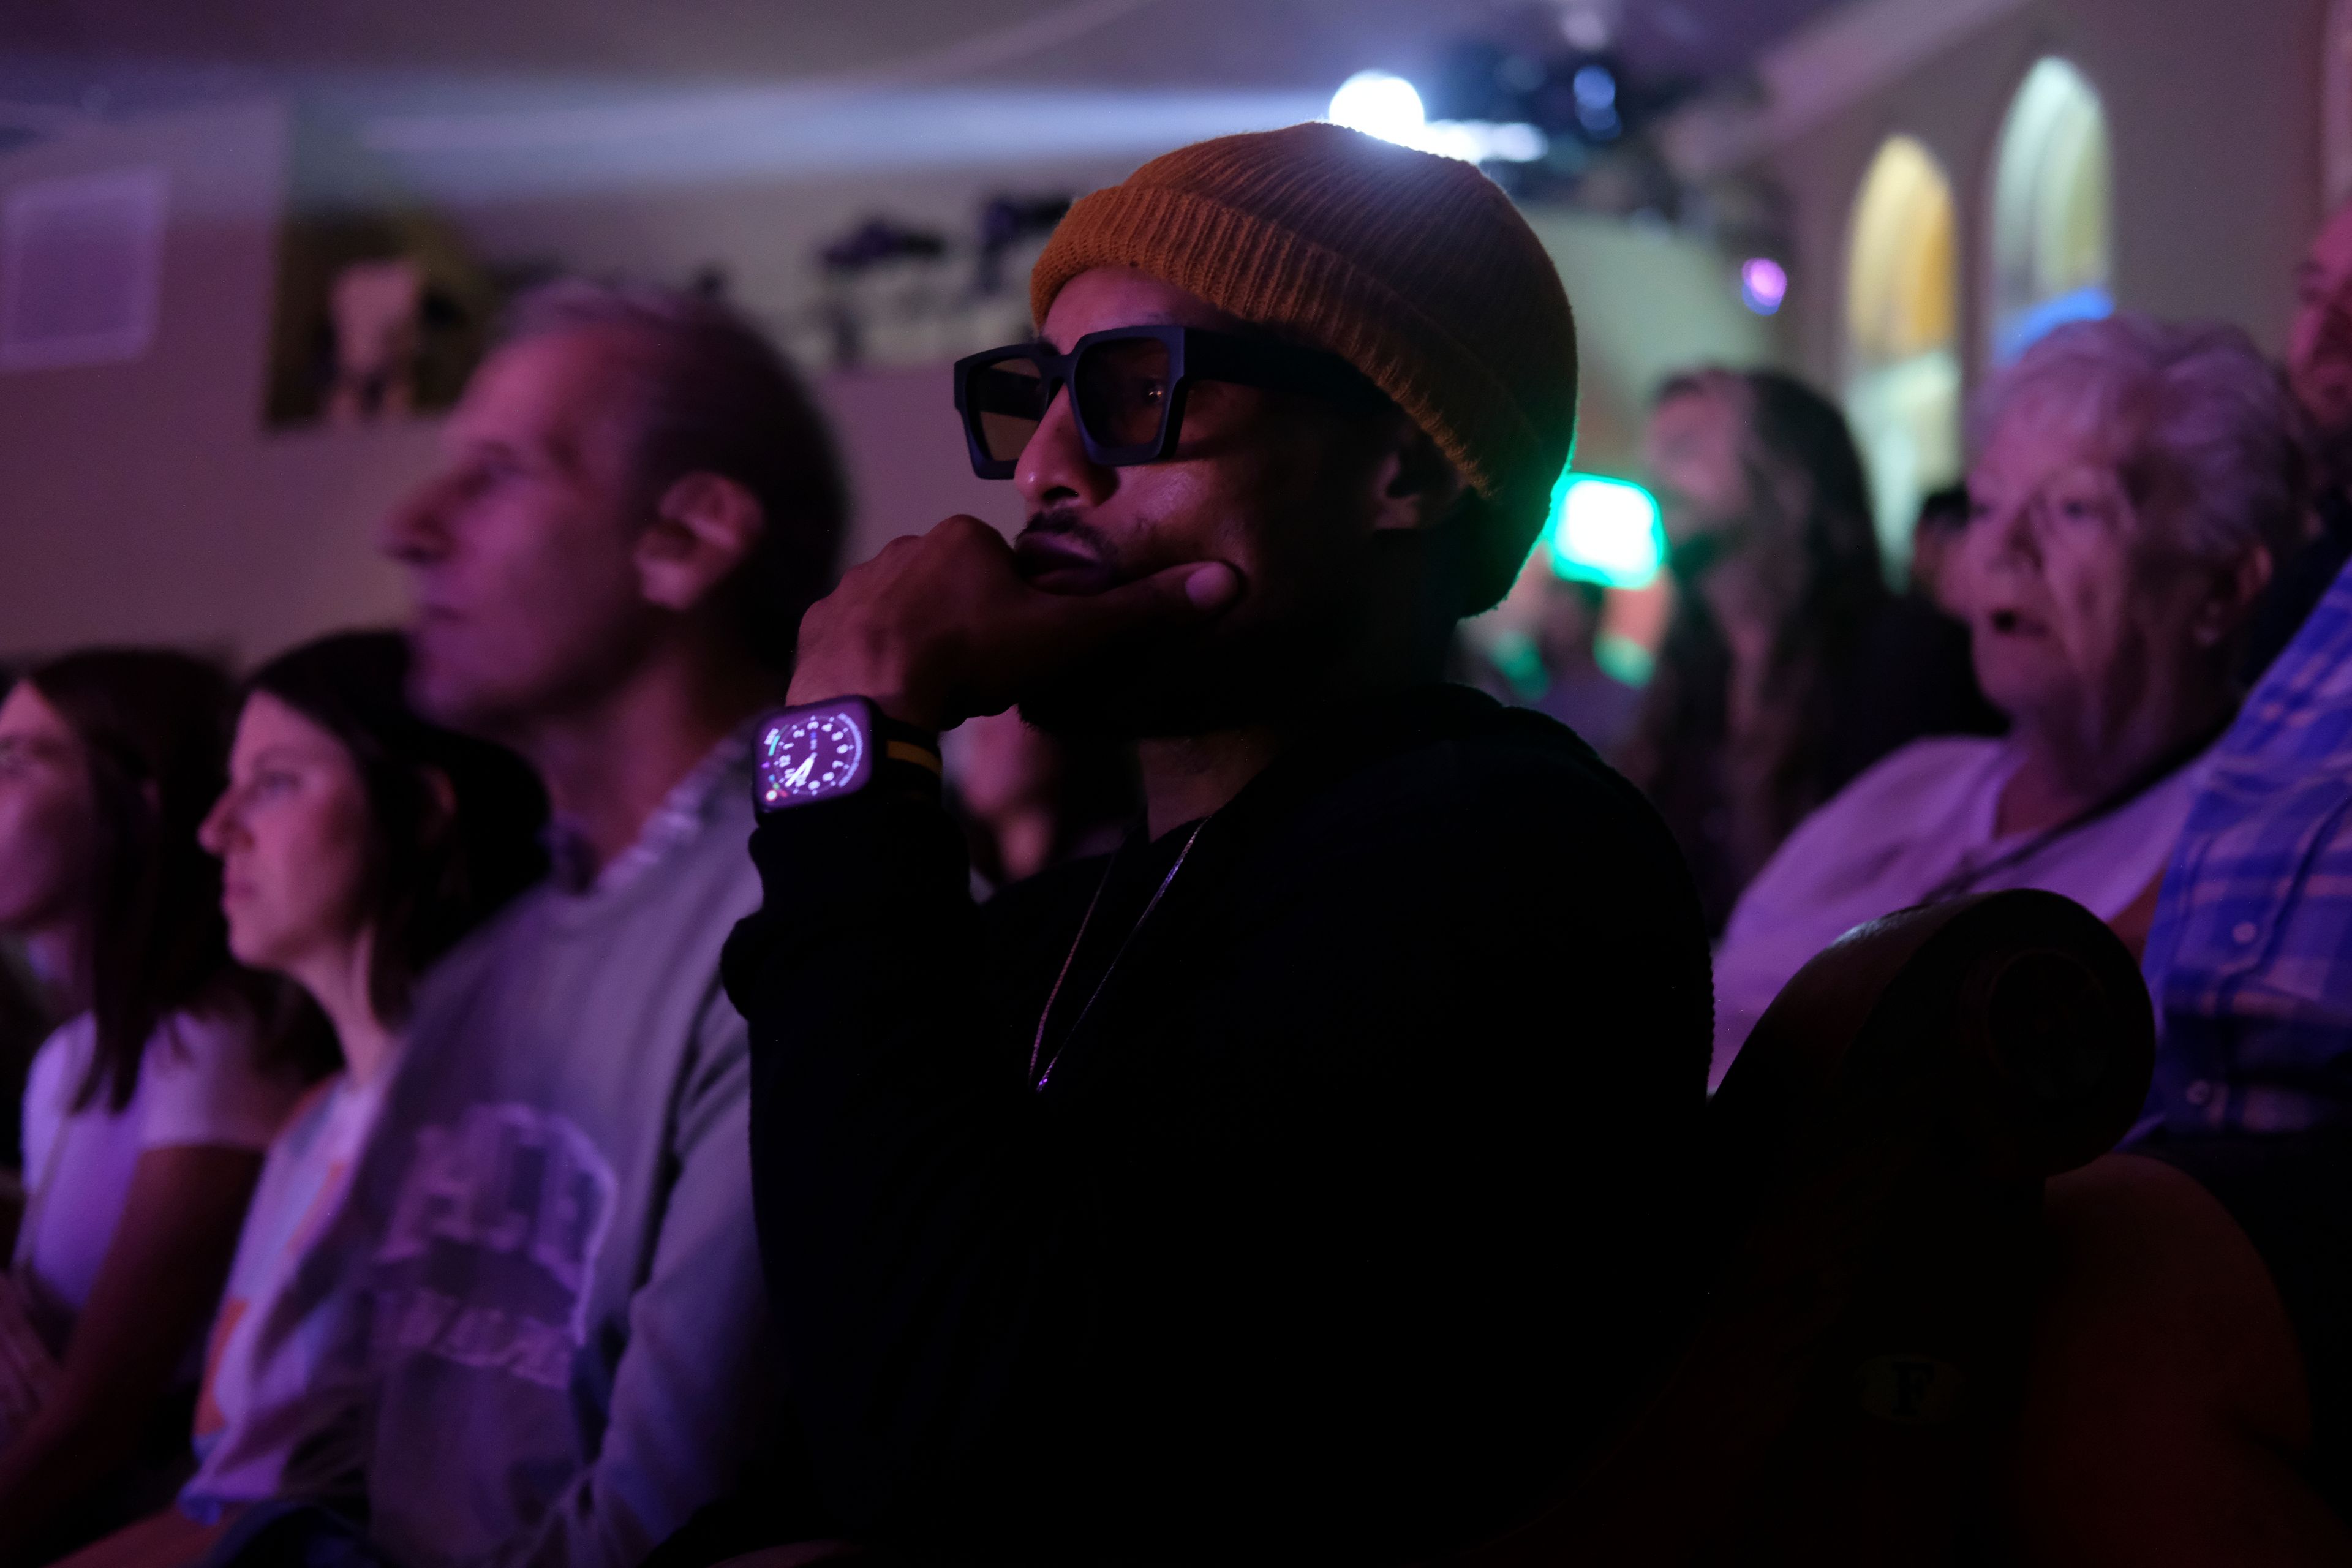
pixel 1763 284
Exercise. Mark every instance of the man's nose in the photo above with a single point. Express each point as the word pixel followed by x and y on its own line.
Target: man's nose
pixel 212 833
pixel 2008 537
pixel 416 531
pixel 1054 466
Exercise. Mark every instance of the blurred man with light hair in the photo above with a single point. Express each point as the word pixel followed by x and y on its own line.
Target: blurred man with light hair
pixel 553 1343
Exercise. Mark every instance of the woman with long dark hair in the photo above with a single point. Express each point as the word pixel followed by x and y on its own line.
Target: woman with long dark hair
pixel 358 843
pixel 1790 667
pixel 147 1112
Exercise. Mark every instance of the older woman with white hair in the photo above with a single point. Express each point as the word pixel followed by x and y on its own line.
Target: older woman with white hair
pixel 2133 483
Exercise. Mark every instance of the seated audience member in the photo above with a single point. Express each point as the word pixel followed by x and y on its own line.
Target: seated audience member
pixel 1577 691
pixel 1211 1202
pixel 2250 964
pixel 2132 482
pixel 1789 667
pixel 358 843
pixel 2319 375
pixel 1936 536
pixel 1030 800
pixel 561 1346
pixel 2194 1376
pixel 147 1112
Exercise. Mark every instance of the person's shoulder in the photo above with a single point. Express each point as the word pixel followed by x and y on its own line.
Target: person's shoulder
pixel 481 951
pixel 204 1080
pixel 68 1045
pixel 219 1036
pixel 1487 794
pixel 59 1065
pixel 712 864
pixel 1508 761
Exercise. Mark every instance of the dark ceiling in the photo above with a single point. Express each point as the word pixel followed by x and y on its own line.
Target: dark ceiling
pixel 86 53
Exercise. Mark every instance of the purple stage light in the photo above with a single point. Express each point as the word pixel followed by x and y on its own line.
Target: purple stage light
pixel 1763 284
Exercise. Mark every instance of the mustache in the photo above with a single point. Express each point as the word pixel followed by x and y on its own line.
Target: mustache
pixel 1061 523
pixel 1066 527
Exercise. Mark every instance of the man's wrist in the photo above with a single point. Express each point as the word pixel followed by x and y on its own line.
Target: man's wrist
pixel 889 698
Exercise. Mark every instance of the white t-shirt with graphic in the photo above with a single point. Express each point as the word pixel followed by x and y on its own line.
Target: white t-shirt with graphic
pixel 268 1341
pixel 199 1084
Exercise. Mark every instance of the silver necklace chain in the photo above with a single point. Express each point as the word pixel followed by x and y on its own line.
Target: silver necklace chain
pixel 1037 1045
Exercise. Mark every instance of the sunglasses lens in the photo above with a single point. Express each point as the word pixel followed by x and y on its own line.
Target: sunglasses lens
pixel 1122 387
pixel 1007 398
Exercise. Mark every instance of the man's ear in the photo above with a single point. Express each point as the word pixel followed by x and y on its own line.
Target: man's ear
pixel 704 527
pixel 1418 482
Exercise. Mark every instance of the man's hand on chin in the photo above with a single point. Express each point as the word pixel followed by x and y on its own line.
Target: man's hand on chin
pixel 939 626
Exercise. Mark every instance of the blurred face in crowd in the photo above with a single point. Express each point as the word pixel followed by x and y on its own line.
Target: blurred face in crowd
pixel 1934 542
pixel 1693 452
pixel 1003 765
pixel 292 835
pixel 1569 623
pixel 2081 602
pixel 2319 340
pixel 520 550
pixel 1283 487
pixel 48 816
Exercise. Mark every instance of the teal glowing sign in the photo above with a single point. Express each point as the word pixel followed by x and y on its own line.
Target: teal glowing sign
pixel 1604 531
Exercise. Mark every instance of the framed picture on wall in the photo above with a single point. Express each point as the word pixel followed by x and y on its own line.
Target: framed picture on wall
pixel 378 317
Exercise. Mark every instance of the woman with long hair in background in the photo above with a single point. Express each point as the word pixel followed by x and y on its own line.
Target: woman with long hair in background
pixel 146 1113
pixel 1789 665
pixel 358 843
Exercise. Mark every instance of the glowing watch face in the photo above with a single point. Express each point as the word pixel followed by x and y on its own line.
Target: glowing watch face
pixel 812 753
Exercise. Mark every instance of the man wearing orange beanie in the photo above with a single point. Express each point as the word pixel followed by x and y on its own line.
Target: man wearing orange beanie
pixel 1294 1183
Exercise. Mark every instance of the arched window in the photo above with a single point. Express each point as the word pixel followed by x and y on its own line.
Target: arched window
pixel 2050 206
pixel 1901 323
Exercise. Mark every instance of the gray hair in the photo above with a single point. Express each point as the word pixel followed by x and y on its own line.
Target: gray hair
pixel 2203 422
pixel 714 395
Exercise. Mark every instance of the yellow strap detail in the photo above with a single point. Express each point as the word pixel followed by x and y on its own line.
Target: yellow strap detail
pixel 921 756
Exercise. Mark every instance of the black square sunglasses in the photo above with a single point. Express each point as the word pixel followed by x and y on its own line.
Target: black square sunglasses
pixel 1127 387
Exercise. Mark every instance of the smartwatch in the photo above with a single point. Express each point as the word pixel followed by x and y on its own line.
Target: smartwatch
pixel 823 751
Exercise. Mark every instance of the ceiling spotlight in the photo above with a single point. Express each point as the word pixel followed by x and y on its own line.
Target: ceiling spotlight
pixel 1381 105
pixel 1388 107
pixel 1588 25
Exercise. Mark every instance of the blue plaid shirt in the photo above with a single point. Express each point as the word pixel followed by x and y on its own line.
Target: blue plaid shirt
pixel 2250 957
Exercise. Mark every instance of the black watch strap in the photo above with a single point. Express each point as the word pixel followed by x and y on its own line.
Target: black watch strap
pixel 910 744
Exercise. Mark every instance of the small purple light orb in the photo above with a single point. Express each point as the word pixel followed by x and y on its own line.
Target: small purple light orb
pixel 1763 284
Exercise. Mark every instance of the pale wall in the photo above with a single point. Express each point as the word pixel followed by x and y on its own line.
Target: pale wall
pixel 2213 114
pixel 144 501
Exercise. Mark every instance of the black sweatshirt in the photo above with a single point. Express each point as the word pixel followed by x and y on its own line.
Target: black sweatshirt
pixel 1351 1210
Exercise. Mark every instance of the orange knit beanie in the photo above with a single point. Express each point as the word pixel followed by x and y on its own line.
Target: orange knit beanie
pixel 1415 269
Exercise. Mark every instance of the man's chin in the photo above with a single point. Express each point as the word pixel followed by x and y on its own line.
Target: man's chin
pixel 446 698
